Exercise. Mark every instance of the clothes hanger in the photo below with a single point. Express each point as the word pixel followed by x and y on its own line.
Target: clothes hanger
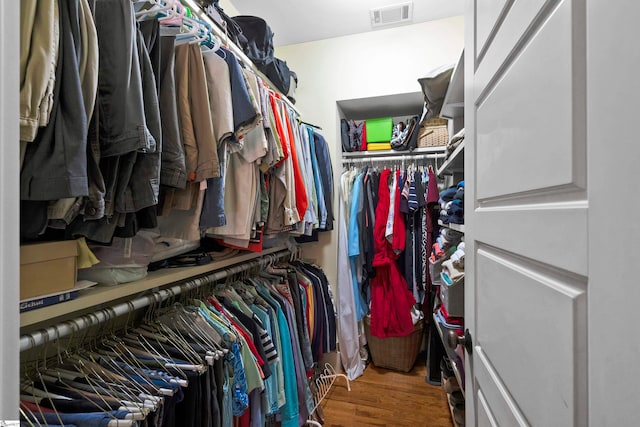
pixel 157 353
pixel 52 405
pixel 53 379
pixel 217 320
pixel 156 6
pixel 177 320
pixel 206 37
pixel 38 393
pixel 201 328
pixel 216 311
pixel 140 372
pixel 25 416
pixel 36 402
pixel 205 337
pixel 188 30
pixel 38 372
pixel 62 385
pixel 119 386
pixel 123 352
pixel 177 341
pixel 174 13
pixel 153 329
pixel 100 382
pixel 114 404
pixel 193 362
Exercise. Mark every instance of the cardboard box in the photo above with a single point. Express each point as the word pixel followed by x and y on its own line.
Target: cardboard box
pixel 48 267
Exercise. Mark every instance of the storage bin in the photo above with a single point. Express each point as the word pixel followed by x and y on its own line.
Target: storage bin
pixel 379 130
pixel 433 133
pixel 435 268
pixel 397 353
pixel 46 268
pixel 452 296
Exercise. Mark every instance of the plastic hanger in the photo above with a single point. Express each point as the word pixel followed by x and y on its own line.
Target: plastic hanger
pixel 188 30
pixel 156 6
pixel 176 12
pixel 205 36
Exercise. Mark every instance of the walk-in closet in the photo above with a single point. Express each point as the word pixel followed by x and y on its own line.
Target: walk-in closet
pixel 221 213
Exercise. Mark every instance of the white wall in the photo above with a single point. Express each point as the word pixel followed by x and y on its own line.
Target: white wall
pixel 228 8
pixel 377 63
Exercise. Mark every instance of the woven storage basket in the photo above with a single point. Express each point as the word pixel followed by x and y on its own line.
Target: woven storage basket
pixel 397 353
pixel 433 133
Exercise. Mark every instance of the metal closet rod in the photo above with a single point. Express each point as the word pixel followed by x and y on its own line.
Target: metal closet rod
pixel 393 159
pixel 224 39
pixel 63 329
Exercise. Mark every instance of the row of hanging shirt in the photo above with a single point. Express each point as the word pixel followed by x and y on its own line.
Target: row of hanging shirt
pixel 241 355
pixel 387 220
pixel 130 124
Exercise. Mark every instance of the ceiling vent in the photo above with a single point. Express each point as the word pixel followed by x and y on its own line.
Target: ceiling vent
pixel 392 15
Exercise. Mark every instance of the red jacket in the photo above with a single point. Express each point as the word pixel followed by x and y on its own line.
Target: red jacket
pixel 391 300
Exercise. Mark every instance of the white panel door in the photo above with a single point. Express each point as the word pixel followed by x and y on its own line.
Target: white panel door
pixel 613 110
pixel 526 211
pixel 9 208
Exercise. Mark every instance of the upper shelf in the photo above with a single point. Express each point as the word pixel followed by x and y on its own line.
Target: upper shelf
pixel 395 105
pixel 96 297
pixel 453 104
pixel 455 162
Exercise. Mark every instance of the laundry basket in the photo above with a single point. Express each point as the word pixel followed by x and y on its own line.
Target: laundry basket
pixel 433 133
pixel 397 353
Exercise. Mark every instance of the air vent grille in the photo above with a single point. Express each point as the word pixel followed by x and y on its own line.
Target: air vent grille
pixel 392 15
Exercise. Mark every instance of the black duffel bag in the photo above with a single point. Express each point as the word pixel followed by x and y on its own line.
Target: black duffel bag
pixel 259 44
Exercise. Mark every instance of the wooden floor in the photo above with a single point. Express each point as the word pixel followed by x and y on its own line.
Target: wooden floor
pixel 382 397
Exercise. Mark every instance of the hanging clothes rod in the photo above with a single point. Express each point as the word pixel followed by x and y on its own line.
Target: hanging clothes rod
pixel 201 15
pixel 66 328
pixel 309 124
pixel 392 159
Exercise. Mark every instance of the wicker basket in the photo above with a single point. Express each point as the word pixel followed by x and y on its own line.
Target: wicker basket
pixel 397 353
pixel 433 133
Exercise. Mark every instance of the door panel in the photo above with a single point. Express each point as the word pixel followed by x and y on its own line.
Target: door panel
pixel 485 417
pixel 487 15
pixel 521 21
pixel 526 214
pixel 533 334
pixel 497 400
pixel 555 221
pixel 525 131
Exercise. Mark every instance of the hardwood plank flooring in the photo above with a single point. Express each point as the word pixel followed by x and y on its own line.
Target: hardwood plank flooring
pixel 383 397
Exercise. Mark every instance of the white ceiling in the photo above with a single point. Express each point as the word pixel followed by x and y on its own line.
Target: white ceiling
pixel 297 21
